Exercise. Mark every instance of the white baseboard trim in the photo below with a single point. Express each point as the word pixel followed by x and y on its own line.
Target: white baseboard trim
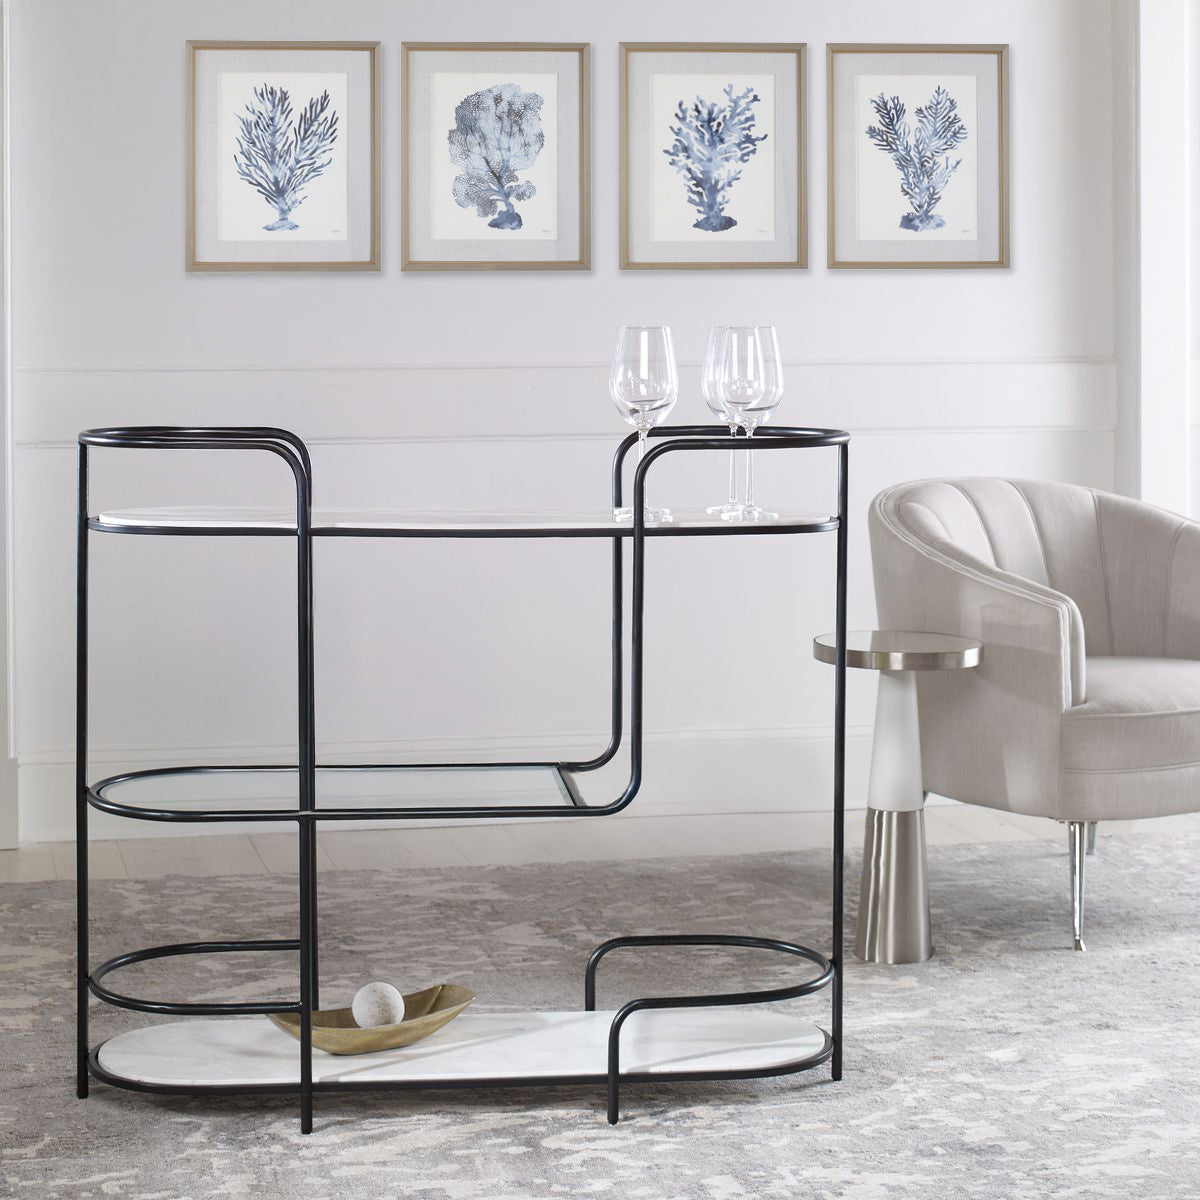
pixel 9 822
pixel 701 773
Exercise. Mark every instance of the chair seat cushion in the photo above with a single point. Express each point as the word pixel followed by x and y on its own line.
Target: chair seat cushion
pixel 1140 714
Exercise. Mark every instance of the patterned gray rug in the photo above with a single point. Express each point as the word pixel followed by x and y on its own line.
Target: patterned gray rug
pixel 1006 1068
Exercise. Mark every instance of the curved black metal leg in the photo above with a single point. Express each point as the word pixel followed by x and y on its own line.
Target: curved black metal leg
pixel 768 995
pixel 614 1069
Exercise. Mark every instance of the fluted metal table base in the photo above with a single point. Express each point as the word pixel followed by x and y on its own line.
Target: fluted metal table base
pixel 893 916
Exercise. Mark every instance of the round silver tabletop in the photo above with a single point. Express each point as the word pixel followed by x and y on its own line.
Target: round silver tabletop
pixel 895 650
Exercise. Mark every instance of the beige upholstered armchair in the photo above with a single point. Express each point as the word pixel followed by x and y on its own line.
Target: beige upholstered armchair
pixel 1086 707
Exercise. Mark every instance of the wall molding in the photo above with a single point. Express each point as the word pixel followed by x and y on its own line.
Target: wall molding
pixel 491 439
pixel 522 367
pixel 554 402
pixel 556 745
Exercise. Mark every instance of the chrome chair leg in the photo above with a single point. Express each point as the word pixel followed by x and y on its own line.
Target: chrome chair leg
pixel 1091 836
pixel 1077 838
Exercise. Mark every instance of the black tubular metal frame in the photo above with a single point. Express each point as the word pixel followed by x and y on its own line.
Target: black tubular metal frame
pixel 288 447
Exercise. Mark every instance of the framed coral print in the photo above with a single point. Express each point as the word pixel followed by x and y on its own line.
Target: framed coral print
pixel 283 156
pixel 918 156
pixel 712 156
pixel 495 157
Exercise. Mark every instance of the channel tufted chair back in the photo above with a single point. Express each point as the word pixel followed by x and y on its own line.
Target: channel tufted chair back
pixel 1087 704
pixel 1090 546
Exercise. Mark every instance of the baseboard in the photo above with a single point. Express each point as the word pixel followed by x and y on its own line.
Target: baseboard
pixel 9 816
pixel 716 772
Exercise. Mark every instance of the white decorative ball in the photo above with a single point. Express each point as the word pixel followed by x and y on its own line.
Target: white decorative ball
pixel 377 1004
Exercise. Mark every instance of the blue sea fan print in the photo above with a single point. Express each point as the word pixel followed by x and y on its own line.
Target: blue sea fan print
pixel 497 134
pixel 713 141
pixel 922 154
pixel 278 159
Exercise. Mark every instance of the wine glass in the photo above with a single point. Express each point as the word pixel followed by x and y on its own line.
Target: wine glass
pixel 739 383
pixel 758 413
pixel 710 389
pixel 644 385
pixel 750 385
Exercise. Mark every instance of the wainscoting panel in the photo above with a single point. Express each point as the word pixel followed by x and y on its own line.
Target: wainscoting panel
pixel 425 646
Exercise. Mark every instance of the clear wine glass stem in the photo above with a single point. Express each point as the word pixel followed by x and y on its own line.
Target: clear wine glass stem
pixel 643 435
pixel 749 471
pixel 732 470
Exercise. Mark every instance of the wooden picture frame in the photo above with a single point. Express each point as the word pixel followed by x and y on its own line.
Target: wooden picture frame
pixel 692 197
pixel 527 211
pixel 918 156
pixel 288 130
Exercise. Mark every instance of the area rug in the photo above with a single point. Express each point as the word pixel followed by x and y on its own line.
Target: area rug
pixel 1007 1067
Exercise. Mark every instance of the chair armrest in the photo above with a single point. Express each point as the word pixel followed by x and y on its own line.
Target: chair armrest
pixel 1033 635
pixel 1182 637
pixel 1152 578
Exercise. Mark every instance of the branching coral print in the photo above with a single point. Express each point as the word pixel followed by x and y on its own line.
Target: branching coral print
pixel 278 159
pixel 497 134
pixel 713 141
pixel 922 154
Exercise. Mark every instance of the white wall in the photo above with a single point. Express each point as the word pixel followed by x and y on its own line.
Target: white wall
pixel 1127 467
pixel 1156 277
pixel 9 833
pixel 488 390
pixel 1193 251
pixel 1163 218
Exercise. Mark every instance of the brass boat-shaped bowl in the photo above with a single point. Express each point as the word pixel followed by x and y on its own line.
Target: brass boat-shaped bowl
pixel 334 1030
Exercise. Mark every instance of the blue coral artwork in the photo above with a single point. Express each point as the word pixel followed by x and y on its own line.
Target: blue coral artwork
pixel 713 149
pixel 284 176
pixel 497 135
pixel 494 172
pixel 917 163
pixel 712 141
pixel 278 157
pixel 922 153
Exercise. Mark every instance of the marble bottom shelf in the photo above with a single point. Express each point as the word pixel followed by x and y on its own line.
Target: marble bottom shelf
pixel 537 1047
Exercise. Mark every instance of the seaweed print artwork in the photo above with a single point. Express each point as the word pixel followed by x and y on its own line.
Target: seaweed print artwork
pixel 921 154
pixel 497 134
pixel 713 141
pixel 278 159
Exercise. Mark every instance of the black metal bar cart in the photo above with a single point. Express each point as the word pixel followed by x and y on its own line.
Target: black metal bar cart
pixel 226 1047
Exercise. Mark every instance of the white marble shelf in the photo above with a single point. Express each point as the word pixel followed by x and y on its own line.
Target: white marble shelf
pixel 331 521
pixel 539 1046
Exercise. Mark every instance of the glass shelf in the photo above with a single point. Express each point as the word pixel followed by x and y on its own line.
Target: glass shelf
pixel 351 522
pixel 250 793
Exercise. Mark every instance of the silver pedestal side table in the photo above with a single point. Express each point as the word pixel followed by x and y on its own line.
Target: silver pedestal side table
pixel 893 912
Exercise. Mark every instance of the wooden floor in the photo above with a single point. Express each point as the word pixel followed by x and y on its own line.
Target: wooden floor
pixel 525 842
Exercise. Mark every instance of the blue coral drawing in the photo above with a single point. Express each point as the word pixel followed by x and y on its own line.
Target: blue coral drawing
pixel 497 135
pixel 921 152
pixel 279 159
pixel 713 140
